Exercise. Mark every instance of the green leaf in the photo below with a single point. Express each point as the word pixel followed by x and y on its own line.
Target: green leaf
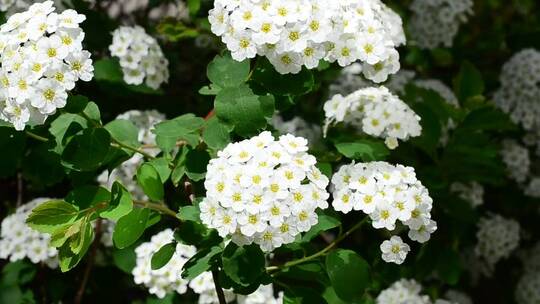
pixel 92 111
pixel 365 150
pixel 185 128
pixel 247 112
pixel 163 256
pixel 161 164
pixel 202 261
pixel 216 134
pixel 348 273
pixel 108 70
pixel 449 266
pixel 88 196
pixel 76 103
pixel 125 259
pixel 225 72
pixel 86 152
pixel 283 84
pixel 196 163
pixel 326 222
pixel 487 119
pixel 243 265
pixel 189 213
pixel 303 295
pixel 130 227
pixel 193 6
pixel 125 132
pixel 85 235
pixel 65 126
pixel 150 181
pixel 50 215
pixel 68 260
pixel 468 82
pixel 180 168
pixel 120 203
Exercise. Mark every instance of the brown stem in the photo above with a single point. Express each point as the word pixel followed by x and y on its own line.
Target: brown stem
pixel 20 193
pixel 210 114
pixel 89 264
pixel 219 290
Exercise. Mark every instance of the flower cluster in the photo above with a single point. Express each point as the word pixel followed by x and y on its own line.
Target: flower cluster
pixel 517 160
pixel 264 190
pixel 168 278
pixel 18 241
pixel 144 121
pixel 41 58
pixel 472 192
pixel 203 285
pixel 435 23
pixel 528 287
pixel 6 4
pixel 403 291
pixel 298 127
pixel 497 237
pixel 294 33
pixel 458 297
pixel 388 194
pixel 140 57
pixel 263 295
pixel 519 92
pixel 440 88
pixel 376 112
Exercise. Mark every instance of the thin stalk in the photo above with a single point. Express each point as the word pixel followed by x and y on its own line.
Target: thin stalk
pixel 36 137
pixel 219 290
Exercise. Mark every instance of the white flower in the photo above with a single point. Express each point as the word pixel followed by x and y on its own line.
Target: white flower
pixel 403 292
pixel 387 194
pixel 376 112
pixel 297 33
pixel 264 191
pixel 167 279
pixel 394 250
pixel 37 54
pixel 140 57
pixel 435 23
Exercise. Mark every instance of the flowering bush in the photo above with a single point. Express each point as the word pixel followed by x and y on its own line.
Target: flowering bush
pixel 269 151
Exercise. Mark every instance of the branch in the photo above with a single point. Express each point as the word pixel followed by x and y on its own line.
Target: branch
pixel 36 137
pixel 89 264
pixel 320 253
pixel 219 290
pixel 162 208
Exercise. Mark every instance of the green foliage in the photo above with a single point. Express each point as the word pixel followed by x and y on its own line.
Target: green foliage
pixel 163 256
pixel 365 150
pixel 150 181
pixel 243 265
pixel 349 274
pixel 130 227
pixel 185 128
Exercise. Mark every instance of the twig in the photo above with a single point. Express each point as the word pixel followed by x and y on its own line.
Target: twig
pixel 89 264
pixel 158 207
pixel 20 193
pixel 320 253
pixel 219 290
pixel 36 137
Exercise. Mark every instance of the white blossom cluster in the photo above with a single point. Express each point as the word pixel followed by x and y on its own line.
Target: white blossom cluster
pixel 140 57
pixel 532 189
pixel 296 33
pixel 472 192
pixel 440 88
pixel 263 295
pixel 497 237
pixel 168 278
pixel 144 121
pixel 403 292
pixel 517 160
pixel 18 241
pixel 435 23
pixel 264 191
pixel 519 92
pixel 203 285
pixel 376 112
pixel 41 58
pixel 388 194
pixel 128 8
pixel 528 287
pixel 298 127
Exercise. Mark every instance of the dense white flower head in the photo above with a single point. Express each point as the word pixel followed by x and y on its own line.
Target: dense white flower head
pixel 435 23
pixel 394 250
pixel 144 121
pixel 472 192
pixel 528 289
pixel 376 112
pixel 519 92
pixel 167 279
pixel 296 33
pixel 18 241
pixel 140 57
pixel 403 292
pixel 6 4
pixel 388 194
pixel 497 237
pixel 263 295
pixel 298 127
pixel 264 191
pixel 41 58
pixel 533 187
pixel 203 285
pixel 517 160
